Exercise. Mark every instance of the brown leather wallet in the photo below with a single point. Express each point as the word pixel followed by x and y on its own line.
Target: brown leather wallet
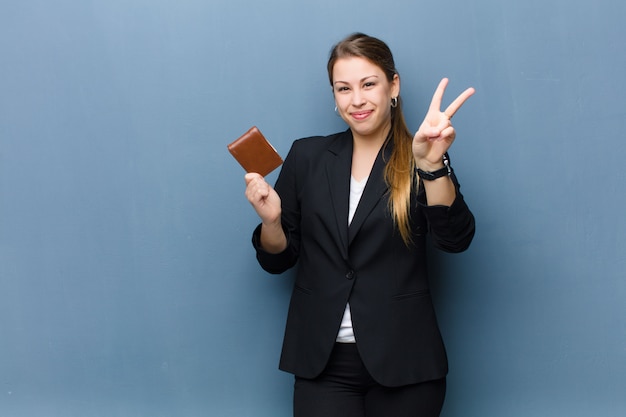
pixel 254 153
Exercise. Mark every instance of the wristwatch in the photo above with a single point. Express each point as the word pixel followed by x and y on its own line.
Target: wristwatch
pixel 433 175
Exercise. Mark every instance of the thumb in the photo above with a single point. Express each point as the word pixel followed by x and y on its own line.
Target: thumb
pixel 249 177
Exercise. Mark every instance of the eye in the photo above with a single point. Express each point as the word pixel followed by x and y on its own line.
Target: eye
pixel 342 88
pixel 369 84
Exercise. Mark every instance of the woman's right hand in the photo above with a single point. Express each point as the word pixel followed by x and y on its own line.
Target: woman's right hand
pixel 263 198
pixel 266 202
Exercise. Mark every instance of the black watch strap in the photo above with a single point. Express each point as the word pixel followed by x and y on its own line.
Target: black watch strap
pixel 433 175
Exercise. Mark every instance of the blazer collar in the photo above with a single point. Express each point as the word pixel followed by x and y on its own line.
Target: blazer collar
pixel 338 170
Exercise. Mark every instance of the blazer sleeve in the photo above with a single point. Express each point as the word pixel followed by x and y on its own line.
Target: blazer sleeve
pixel 286 187
pixel 452 228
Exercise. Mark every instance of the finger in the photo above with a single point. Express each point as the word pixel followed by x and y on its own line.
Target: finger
pixel 262 189
pixel 257 196
pixel 458 102
pixel 435 103
pixel 251 176
pixel 436 131
pixel 448 134
pixel 446 137
pixel 253 186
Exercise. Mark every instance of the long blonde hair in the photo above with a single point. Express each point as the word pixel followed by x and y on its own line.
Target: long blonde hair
pixel 400 169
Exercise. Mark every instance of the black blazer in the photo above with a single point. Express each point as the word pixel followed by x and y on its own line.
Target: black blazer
pixel 366 263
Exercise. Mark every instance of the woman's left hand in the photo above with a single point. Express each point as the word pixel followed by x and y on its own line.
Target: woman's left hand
pixel 436 133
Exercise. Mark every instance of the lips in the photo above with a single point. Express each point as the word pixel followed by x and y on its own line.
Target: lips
pixel 361 115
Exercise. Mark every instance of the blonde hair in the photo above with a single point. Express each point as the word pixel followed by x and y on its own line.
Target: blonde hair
pixel 400 168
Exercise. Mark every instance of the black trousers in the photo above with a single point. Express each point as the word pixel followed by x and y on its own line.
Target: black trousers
pixel 346 389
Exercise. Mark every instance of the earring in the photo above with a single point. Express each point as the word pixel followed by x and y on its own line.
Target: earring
pixel 394 101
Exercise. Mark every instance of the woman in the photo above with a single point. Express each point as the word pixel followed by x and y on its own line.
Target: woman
pixel 352 210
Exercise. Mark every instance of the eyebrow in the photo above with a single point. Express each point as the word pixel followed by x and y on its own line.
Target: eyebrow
pixel 361 80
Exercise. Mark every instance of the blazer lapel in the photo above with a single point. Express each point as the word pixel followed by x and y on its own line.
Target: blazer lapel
pixel 374 191
pixel 338 171
pixel 338 168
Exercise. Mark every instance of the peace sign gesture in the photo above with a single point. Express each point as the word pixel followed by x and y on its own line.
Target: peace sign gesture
pixel 436 133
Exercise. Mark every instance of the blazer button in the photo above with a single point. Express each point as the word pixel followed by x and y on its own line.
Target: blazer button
pixel 350 275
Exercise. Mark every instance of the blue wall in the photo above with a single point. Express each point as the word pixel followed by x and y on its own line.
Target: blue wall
pixel 128 286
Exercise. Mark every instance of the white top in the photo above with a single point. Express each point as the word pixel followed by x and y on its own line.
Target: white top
pixel 346 334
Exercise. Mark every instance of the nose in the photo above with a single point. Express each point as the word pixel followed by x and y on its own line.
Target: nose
pixel 358 99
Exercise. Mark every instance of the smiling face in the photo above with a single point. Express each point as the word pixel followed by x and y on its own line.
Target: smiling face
pixel 363 96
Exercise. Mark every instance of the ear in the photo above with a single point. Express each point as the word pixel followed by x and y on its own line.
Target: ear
pixel 395 86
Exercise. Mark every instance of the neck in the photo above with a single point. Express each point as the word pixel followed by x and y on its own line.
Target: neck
pixel 370 143
pixel 364 153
